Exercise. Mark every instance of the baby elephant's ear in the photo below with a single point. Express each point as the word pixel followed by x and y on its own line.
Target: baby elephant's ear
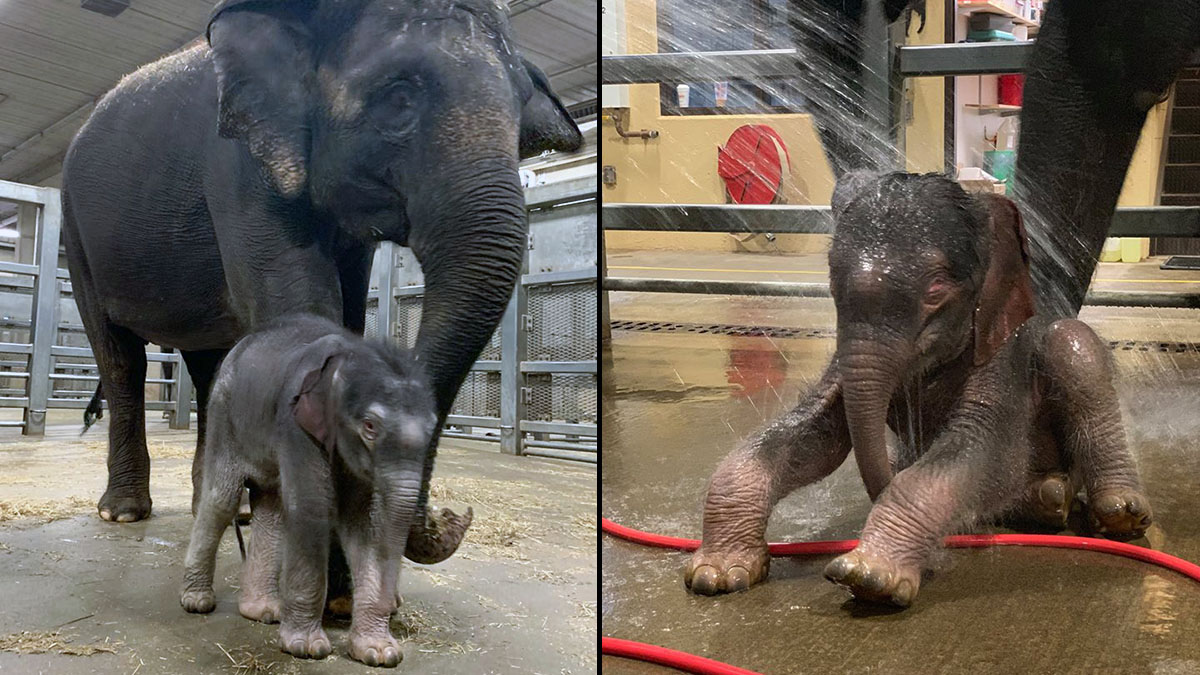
pixel 312 406
pixel 1006 298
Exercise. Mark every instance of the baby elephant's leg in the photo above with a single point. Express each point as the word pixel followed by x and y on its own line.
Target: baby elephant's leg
pixel 974 470
pixel 802 447
pixel 1088 419
pixel 260 573
pixel 305 562
pixel 215 509
pixel 374 575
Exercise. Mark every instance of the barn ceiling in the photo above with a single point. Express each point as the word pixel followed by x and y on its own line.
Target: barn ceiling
pixel 56 59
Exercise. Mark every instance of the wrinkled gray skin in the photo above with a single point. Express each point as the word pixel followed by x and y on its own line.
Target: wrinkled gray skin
pixel 251 175
pixel 329 432
pixel 991 409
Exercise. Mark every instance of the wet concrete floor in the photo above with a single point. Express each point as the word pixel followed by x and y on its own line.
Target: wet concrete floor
pixel 518 597
pixel 674 403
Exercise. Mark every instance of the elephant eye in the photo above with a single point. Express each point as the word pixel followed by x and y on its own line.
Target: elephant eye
pixel 939 288
pixel 369 430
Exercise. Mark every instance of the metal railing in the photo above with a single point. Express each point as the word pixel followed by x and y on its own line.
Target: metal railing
pixel 41 360
pixel 547 397
pixel 535 384
pixel 907 61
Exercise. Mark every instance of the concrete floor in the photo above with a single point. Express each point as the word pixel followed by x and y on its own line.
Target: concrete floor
pixel 674 403
pixel 519 596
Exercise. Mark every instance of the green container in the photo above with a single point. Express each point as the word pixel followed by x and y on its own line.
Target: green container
pixel 1000 164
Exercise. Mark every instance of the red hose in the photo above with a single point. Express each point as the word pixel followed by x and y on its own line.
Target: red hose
pixel 695 664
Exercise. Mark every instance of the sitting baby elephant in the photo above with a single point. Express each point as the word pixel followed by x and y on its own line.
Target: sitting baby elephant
pixel 994 408
pixel 329 431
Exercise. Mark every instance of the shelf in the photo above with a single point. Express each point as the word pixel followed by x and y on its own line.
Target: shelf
pixel 993 108
pixel 990 7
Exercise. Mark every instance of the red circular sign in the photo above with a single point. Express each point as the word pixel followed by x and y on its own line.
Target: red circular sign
pixel 752 163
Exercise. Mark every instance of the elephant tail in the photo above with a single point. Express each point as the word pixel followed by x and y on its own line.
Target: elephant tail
pixel 94 410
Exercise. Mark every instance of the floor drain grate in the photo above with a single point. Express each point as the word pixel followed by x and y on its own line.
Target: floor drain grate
pixel 722 329
pixel 824 333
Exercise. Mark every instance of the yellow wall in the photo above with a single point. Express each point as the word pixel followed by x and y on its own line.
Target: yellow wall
pixel 680 166
pixel 924 134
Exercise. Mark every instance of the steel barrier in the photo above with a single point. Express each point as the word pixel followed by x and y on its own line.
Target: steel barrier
pixel 43 357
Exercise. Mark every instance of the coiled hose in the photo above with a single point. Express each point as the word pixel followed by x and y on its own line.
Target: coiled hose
pixel 690 663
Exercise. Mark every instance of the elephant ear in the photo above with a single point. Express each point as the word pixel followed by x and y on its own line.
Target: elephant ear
pixel 262 51
pixel 313 405
pixel 1006 298
pixel 545 123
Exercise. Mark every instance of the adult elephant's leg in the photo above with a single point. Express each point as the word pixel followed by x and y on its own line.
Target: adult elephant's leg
pixel 202 367
pixel 121 360
pixel 799 448
pixel 1089 84
pixel 354 273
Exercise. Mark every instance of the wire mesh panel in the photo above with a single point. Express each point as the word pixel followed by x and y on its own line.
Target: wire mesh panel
pixel 479 396
pixel 564 322
pixel 561 398
pixel 371 329
pixel 408 319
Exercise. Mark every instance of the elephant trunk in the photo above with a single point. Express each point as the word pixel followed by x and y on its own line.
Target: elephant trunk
pixel 471 241
pixel 398 490
pixel 870 372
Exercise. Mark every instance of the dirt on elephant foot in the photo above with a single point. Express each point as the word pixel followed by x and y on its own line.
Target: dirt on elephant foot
pixel 713 572
pixel 124 507
pixel 1121 513
pixel 376 650
pixel 874 578
pixel 313 644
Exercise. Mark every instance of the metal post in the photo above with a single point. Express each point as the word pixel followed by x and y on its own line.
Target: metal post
pixel 877 74
pixel 44 315
pixel 513 393
pixel 385 311
pixel 181 411
pixel 605 321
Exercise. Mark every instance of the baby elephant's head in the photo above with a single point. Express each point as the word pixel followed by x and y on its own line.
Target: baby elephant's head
pixel 371 407
pixel 922 274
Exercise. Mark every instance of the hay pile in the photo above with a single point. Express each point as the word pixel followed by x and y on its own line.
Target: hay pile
pixel 52 642
pixel 43 510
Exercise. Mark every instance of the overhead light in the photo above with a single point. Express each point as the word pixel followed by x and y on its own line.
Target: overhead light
pixel 105 7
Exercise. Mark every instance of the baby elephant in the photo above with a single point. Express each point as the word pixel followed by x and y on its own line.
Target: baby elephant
pixel 960 403
pixel 329 431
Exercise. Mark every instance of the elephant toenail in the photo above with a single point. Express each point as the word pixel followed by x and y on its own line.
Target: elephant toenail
pixel 737 579
pixel 704 580
pixel 904 593
pixel 1053 493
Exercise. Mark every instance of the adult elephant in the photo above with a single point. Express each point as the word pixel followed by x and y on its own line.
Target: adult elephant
pixel 251 175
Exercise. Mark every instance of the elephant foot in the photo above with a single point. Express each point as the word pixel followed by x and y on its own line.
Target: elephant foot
pixel 715 572
pixel 124 506
pixel 437 537
pixel 1120 513
pixel 198 601
pixel 264 610
pixel 376 650
pixel 1048 500
pixel 340 606
pixel 873 578
pixel 311 644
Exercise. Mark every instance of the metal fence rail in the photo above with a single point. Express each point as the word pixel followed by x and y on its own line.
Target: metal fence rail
pixel 907 61
pixel 535 383
pixel 49 372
